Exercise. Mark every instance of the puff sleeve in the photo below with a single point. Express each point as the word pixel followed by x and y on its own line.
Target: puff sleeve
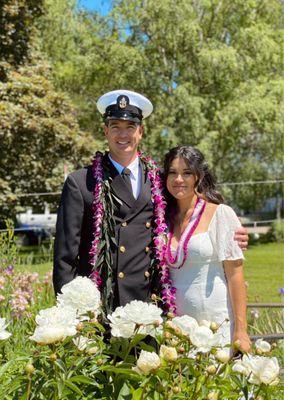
pixel 222 231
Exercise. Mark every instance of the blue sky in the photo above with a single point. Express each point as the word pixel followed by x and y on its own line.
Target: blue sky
pixel 101 6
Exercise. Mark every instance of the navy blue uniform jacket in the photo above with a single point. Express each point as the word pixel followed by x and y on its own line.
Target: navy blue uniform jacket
pixel 133 232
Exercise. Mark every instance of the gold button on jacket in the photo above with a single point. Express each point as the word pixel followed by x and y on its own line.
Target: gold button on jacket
pixel 122 249
pixel 148 224
pixel 121 275
pixel 124 223
pixel 147 274
pixel 147 249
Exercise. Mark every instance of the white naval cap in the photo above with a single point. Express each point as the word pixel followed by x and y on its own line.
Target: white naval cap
pixel 124 104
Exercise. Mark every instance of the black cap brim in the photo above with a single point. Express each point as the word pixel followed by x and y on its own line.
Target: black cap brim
pixel 124 115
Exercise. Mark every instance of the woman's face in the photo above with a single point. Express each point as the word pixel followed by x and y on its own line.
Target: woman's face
pixel 180 181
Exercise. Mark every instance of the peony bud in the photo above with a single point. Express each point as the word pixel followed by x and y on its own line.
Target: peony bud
pixel 100 362
pixel 169 324
pixel 211 369
pixel 53 357
pixel 181 349
pixel 147 362
pixel 170 315
pixel 168 353
pixel 154 297
pixel 167 335
pixel 176 389
pixel 29 368
pixel 237 344
pixel 262 346
pixel 212 396
pixel 92 350
pixel 214 327
pixel 222 355
pixel 178 331
pixel 79 326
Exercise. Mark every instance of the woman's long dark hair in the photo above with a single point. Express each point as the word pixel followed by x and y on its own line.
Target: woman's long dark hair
pixel 206 183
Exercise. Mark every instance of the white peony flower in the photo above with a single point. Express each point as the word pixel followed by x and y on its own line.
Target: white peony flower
pixel 186 323
pixel 204 339
pixel 81 294
pixel 263 370
pixel 242 366
pixel 223 355
pixel 120 326
pixel 147 362
pixel 168 353
pixel 54 325
pixel 3 333
pixel 141 313
pixel 262 346
pixel 124 320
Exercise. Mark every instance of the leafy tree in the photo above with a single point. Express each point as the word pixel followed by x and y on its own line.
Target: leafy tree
pixel 75 42
pixel 16 27
pixel 38 127
pixel 212 68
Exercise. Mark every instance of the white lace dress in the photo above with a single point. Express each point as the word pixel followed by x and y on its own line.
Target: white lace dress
pixel 201 284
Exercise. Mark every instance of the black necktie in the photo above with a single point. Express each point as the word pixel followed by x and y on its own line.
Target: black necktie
pixel 126 177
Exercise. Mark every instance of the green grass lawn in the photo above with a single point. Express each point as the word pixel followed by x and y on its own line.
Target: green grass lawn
pixel 42 269
pixel 264 272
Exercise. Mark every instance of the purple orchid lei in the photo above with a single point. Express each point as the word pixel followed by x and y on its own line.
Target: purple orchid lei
pixel 160 230
pixel 98 214
pixel 160 233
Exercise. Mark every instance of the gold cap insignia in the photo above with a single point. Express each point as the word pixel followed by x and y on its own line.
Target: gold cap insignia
pixel 122 102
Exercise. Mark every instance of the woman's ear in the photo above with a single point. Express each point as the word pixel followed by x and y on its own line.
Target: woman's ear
pixel 197 181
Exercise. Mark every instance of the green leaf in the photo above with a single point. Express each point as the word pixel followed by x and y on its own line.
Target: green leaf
pixel 146 347
pixel 124 393
pixel 73 387
pixel 136 395
pixel 83 379
pixel 60 364
pixel 124 371
pixel 137 339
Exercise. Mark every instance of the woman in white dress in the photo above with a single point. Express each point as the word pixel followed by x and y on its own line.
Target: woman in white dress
pixel 206 263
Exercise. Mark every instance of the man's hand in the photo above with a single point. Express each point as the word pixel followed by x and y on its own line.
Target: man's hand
pixel 241 236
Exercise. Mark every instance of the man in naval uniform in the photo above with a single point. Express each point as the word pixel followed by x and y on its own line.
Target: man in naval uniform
pixel 123 112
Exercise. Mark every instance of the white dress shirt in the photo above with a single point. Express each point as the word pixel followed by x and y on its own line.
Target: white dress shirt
pixel 135 174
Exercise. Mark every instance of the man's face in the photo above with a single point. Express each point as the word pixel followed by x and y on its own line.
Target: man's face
pixel 123 138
